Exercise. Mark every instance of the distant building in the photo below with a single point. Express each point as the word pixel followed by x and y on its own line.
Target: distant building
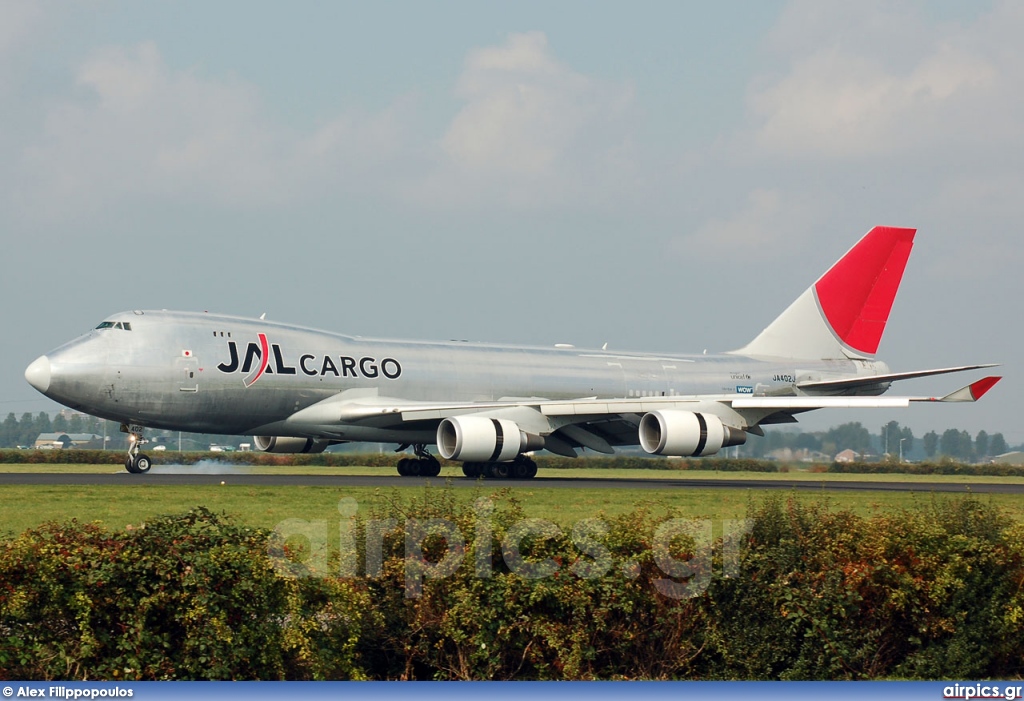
pixel 798 455
pixel 52 441
pixel 1014 458
pixel 847 456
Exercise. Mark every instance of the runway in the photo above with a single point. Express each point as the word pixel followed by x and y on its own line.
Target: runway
pixel 123 479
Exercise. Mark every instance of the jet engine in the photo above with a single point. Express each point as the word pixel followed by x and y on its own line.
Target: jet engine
pixel 686 433
pixel 480 439
pixel 277 444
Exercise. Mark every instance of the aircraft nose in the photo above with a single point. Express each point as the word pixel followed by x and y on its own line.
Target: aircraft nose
pixel 38 373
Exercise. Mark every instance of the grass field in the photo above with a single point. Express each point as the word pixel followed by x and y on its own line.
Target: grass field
pixel 25 506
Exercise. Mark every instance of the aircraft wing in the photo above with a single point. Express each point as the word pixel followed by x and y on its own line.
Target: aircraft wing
pixel 342 409
pixel 590 422
pixel 593 406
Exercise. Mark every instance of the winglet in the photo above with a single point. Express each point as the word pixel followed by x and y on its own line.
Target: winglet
pixel 972 392
pixel 981 387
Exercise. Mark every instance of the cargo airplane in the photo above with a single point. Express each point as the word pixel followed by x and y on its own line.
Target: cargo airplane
pixel 299 390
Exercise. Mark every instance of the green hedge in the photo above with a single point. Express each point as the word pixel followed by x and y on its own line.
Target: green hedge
pixel 943 467
pixel 180 597
pixel 933 593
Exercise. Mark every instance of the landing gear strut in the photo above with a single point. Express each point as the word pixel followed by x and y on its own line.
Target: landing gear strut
pixel 136 462
pixel 423 465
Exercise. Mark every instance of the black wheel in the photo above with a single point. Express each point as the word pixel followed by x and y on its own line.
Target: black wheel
pixel 430 468
pixel 497 470
pixel 403 467
pixel 471 469
pixel 519 470
pixel 129 465
pixel 531 469
pixel 413 467
pixel 524 468
pixel 142 464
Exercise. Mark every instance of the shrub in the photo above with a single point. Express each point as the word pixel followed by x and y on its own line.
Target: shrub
pixel 186 597
pixel 929 593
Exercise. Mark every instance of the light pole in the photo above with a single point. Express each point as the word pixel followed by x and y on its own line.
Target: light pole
pixel 901 448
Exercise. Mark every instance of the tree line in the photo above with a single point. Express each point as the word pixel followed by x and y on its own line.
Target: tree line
pixel 892 439
pixel 23 432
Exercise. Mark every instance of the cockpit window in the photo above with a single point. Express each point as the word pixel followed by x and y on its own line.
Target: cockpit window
pixel 123 325
pixel 106 325
pixel 127 326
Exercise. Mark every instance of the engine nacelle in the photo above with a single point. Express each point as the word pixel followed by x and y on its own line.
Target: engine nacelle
pixel 277 444
pixel 686 433
pixel 480 439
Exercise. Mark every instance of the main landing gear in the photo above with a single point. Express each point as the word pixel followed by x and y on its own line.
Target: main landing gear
pixel 522 468
pixel 136 462
pixel 426 465
pixel 423 465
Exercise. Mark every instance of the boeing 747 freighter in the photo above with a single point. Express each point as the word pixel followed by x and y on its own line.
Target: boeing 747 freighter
pixel 299 390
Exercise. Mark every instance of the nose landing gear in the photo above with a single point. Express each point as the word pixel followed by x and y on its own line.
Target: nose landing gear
pixel 136 462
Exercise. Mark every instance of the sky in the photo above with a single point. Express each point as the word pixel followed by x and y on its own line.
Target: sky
pixel 663 176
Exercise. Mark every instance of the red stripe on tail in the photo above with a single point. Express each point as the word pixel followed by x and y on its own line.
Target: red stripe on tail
pixel 857 293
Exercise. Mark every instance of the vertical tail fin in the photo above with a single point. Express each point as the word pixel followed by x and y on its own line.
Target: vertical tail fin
pixel 844 313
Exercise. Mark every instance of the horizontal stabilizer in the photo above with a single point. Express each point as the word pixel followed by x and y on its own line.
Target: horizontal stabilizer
pixel 971 393
pixel 871 380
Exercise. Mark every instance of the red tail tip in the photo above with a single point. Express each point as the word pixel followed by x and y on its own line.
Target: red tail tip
pixel 857 293
pixel 981 387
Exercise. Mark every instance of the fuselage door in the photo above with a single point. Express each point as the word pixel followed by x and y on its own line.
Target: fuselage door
pixel 188 373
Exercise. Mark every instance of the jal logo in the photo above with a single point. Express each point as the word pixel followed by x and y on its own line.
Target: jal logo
pixel 267 358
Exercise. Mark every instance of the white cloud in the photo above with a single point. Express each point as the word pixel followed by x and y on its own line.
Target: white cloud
pixel 769 224
pixel 872 113
pixel 137 128
pixel 836 105
pixel 17 19
pixel 885 80
pixel 532 131
pixel 20 22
